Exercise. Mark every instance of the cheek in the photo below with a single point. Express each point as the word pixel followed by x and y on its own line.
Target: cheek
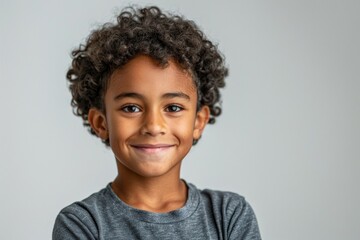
pixel 183 128
pixel 119 129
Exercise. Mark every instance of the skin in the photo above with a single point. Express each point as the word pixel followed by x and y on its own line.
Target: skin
pixel 151 120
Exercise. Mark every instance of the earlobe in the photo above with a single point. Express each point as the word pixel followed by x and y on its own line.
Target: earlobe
pixel 97 122
pixel 202 118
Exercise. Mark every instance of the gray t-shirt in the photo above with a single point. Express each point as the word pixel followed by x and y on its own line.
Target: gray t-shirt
pixel 207 214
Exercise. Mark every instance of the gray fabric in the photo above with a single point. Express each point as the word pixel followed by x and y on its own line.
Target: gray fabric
pixel 207 214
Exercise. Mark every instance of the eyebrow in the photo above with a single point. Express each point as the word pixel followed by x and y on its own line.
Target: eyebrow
pixel 176 95
pixel 128 95
pixel 139 96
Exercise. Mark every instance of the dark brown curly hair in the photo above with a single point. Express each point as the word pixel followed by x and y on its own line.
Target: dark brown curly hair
pixel 151 32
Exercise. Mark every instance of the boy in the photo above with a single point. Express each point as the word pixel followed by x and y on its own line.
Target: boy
pixel 147 86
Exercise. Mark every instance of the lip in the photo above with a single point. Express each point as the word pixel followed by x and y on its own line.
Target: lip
pixel 152 148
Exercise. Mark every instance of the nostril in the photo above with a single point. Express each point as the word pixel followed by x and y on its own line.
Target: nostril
pixel 152 130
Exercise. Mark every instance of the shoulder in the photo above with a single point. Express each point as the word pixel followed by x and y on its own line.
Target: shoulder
pixel 91 205
pixel 231 211
pixel 79 219
pixel 224 200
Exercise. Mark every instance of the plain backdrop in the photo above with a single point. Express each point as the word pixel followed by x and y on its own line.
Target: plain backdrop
pixel 288 139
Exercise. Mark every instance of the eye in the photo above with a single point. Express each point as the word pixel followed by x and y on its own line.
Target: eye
pixel 173 108
pixel 131 109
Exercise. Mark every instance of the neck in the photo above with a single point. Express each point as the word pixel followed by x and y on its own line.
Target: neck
pixel 155 194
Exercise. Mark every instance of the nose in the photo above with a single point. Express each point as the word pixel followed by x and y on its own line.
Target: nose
pixel 153 124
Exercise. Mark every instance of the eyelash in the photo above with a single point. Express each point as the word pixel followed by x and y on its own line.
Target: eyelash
pixel 169 108
pixel 174 106
pixel 126 108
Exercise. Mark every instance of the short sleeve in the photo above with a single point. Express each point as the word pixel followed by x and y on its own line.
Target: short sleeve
pixel 69 226
pixel 243 223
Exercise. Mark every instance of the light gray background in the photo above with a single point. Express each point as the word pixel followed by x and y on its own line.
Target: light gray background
pixel 288 139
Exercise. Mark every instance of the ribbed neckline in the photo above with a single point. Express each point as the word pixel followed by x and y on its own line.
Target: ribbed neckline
pixel 178 215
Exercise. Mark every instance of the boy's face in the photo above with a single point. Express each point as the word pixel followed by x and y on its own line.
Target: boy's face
pixel 150 116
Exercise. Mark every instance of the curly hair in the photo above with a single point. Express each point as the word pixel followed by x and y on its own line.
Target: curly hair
pixel 151 32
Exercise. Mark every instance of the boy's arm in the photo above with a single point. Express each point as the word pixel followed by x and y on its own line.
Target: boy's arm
pixel 243 224
pixel 68 226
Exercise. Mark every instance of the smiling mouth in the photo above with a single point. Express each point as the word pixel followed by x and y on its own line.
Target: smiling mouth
pixel 152 148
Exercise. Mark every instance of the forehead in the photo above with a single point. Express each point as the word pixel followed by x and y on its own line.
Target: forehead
pixel 144 75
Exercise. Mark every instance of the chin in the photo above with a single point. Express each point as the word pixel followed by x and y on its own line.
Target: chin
pixel 153 173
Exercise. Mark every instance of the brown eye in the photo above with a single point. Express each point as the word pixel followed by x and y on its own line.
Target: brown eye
pixel 173 108
pixel 131 109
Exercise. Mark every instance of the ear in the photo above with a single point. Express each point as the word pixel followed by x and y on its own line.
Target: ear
pixel 202 118
pixel 97 122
